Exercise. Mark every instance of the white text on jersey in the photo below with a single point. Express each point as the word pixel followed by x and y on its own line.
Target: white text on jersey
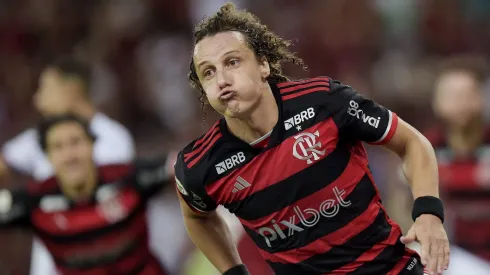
pixel 229 163
pixel 354 111
pixel 299 118
pixel 328 209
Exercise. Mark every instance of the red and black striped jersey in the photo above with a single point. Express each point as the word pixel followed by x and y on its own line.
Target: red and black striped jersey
pixel 104 235
pixel 465 188
pixel 306 197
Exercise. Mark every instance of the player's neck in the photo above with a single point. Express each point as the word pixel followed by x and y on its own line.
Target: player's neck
pixel 83 191
pixel 84 109
pixel 464 140
pixel 260 122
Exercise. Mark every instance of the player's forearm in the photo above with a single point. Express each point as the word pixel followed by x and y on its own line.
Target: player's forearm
pixel 420 167
pixel 213 237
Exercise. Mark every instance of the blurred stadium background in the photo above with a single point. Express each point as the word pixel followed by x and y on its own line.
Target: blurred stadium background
pixel 140 49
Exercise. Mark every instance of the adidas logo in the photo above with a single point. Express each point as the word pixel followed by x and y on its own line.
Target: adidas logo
pixel 240 184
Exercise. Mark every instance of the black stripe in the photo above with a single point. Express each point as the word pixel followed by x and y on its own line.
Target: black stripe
pixel 384 262
pixel 342 255
pixel 90 262
pixel 413 267
pixel 292 189
pixel 305 81
pixel 360 199
pixel 326 86
pixel 91 235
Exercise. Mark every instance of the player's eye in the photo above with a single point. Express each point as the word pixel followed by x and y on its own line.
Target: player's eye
pixel 234 62
pixel 207 73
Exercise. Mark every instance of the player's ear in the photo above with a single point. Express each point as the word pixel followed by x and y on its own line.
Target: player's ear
pixel 265 69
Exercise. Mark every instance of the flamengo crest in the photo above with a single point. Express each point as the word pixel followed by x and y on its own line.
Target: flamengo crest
pixel 305 147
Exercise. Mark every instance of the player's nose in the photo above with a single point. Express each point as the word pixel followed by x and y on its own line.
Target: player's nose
pixel 222 79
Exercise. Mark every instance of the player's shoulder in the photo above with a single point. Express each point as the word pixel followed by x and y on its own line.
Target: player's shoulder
pixel 196 158
pixel 102 124
pixel 115 172
pixel 316 90
pixel 43 187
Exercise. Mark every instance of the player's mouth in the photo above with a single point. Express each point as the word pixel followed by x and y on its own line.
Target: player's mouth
pixel 227 95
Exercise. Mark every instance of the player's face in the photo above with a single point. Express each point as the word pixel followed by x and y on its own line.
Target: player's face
pixel 52 96
pixel 70 151
pixel 458 99
pixel 230 73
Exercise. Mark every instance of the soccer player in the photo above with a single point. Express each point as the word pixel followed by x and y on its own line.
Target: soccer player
pixel 91 218
pixel 287 160
pixel 64 87
pixel 462 148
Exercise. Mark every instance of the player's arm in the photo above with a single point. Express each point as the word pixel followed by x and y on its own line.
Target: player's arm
pixel 14 208
pixel 153 175
pixel 362 119
pixel 211 235
pixel 17 153
pixel 206 228
pixel 4 170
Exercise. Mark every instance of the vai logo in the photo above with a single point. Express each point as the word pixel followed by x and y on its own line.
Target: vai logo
pixel 299 118
pixel 229 163
pixel 354 111
pixel 305 147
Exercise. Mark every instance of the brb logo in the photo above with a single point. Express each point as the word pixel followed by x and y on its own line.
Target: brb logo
pixel 299 118
pixel 229 163
pixel 305 147
pixel 354 111
pixel 328 209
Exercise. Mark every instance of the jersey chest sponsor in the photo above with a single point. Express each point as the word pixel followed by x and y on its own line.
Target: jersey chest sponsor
pixel 54 218
pixel 303 218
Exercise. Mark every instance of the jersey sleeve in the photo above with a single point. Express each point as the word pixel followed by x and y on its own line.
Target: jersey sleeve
pixel 18 152
pixel 359 117
pixel 191 189
pixel 14 209
pixel 152 175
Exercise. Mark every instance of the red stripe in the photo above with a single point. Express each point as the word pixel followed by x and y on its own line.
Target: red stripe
pixel 391 133
pixel 303 81
pixel 287 97
pixel 262 173
pixel 370 254
pixel 200 148
pixel 211 130
pixel 82 219
pixel 208 146
pixel 65 250
pixel 324 244
pixel 297 87
pixel 347 181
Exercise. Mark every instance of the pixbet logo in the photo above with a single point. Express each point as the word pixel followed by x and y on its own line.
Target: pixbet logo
pixel 354 111
pixel 308 218
pixel 229 163
pixel 305 147
pixel 299 118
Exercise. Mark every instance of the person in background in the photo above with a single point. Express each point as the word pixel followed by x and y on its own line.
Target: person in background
pixel 90 217
pixel 462 146
pixel 63 87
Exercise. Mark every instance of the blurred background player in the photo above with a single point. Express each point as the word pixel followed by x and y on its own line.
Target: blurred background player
pixel 90 217
pixel 64 87
pixel 462 144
